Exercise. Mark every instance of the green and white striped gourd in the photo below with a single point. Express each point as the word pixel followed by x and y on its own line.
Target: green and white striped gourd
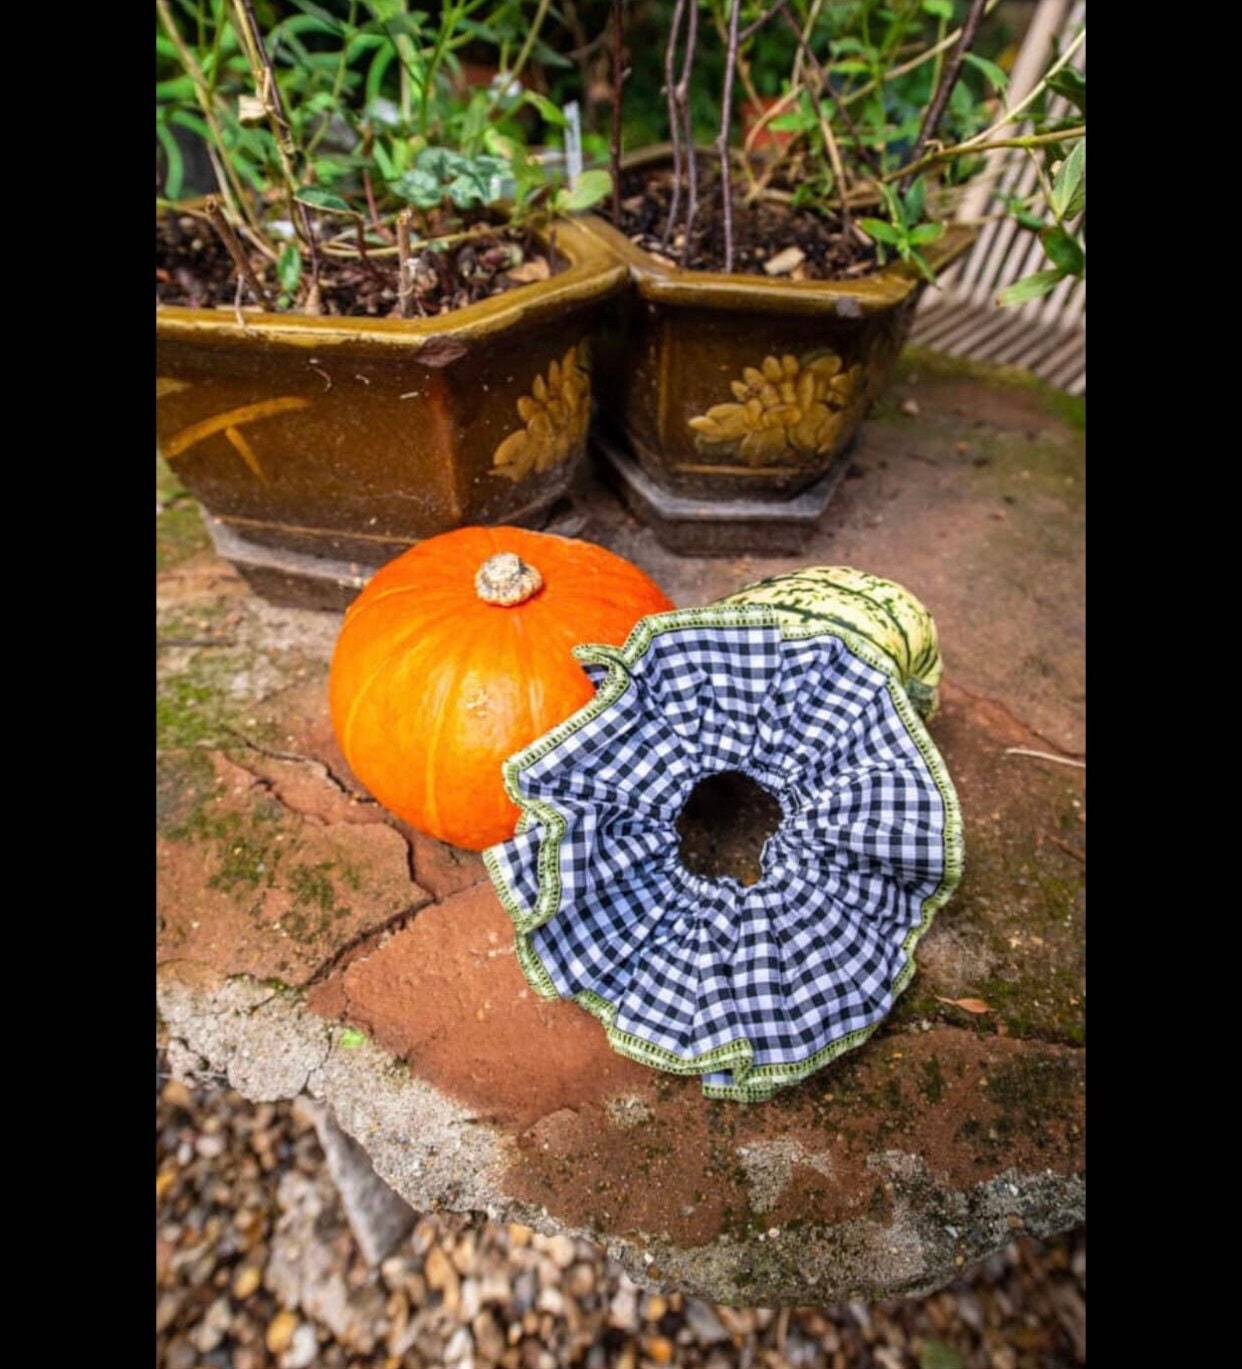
pixel 882 611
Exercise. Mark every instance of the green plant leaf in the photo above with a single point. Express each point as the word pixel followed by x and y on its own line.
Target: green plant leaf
pixel 881 231
pixel 1029 287
pixel 1017 210
pixel 1073 85
pixel 591 187
pixel 388 168
pixel 350 1039
pixel 910 254
pixel 938 9
pixel 289 267
pixel 175 172
pixel 1063 252
pixel 383 59
pixel 319 198
pixel 792 121
pixel 361 42
pixel 1069 179
pixel 926 232
pixel 179 88
pixel 914 201
pixel 419 187
pixel 329 21
pixel 997 76
pixel 550 112
pixel 186 118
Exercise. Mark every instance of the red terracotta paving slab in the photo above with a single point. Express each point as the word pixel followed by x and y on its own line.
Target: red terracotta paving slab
pixel 446 994
pixel 274 874
pixel 1013 934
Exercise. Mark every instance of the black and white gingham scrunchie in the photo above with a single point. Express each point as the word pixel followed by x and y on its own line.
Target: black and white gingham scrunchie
pixel 752 987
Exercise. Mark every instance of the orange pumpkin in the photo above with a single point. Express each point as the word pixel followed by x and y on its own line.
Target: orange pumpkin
pixel 457 654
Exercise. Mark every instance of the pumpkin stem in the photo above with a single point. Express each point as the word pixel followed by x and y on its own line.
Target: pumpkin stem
pixel 505 579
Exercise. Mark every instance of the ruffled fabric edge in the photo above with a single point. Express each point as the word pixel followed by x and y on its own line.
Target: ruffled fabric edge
pixel 751 1083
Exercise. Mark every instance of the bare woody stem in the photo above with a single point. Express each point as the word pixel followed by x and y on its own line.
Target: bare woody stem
pixel 780 106
pixel 722 138
pixel 618 81
pixel 968 149
pixel 756 24
pixel 825 85
pixel 687 131
pixel 220 223
pixel 405 276
pixel 825 126
pixel 948 80
pixel 753 100
pixel 225 175
pixel 273 103
pixel 674 118
pixel 529 45
pixel 360 237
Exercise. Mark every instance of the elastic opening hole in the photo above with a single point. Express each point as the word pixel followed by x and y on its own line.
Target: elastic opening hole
pixel 724 826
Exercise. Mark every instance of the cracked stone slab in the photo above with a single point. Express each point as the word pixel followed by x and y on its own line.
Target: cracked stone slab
pixel 446 994
pixel 601 1145
pixel 377 1216
pixel 888 1172
pixel 266 868
pixel 939 1146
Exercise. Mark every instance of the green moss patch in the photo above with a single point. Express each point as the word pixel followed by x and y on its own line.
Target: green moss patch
pixel 179 529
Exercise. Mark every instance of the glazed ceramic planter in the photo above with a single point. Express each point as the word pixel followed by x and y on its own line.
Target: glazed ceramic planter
pixel 316 443
pixel 731 399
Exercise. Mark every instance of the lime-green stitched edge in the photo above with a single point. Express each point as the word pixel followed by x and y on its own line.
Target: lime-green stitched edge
pixel 753 1084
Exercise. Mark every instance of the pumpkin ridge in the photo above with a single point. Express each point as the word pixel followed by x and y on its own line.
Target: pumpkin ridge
pixel 414 631
pixel 523 657
pixel 359 607
pixel 438 716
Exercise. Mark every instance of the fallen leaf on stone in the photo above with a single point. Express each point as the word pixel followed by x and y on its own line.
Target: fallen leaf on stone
pixel 534 269
pixel 784 262
pixel 966 1004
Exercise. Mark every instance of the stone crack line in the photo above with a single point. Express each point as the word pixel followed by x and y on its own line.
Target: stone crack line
pixel 296 758
pixel 1059 752
pixel 352 950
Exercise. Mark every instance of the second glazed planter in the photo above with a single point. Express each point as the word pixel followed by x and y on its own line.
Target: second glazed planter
pixel 728 402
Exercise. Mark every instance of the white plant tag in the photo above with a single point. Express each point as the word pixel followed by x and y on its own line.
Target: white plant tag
pixel 573 142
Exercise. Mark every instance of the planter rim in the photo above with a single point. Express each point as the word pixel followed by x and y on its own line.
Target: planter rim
pixel 594 273
pixel 880 291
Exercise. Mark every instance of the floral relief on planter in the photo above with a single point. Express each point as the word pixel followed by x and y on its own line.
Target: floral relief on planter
pixel 556 415
pixel 785 410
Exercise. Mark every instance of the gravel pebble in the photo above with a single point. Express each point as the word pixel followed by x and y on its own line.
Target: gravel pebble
pixel 256 1268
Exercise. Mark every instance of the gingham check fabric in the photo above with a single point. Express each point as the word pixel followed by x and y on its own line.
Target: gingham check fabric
pixel 752 987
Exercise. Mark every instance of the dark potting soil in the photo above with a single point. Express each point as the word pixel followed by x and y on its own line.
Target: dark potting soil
pixel 193 268
pixel 762 230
